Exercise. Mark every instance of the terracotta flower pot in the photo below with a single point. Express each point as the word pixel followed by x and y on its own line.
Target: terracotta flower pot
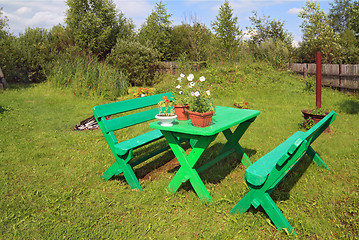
pixel 316 118
pixel 181 112
pixel 201 119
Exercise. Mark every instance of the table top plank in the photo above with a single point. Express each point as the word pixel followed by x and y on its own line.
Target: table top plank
pixel 224 118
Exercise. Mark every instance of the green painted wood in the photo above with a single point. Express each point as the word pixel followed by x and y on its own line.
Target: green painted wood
pixel 265 174
pixel 186 171
pixel 123 147
pixel 224 118
pixel 128 105
pixel 123 151
pixel 200 138
pixel 130 120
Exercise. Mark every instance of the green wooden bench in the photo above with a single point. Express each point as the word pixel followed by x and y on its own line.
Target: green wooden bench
pixel 263 176
pixel 123 151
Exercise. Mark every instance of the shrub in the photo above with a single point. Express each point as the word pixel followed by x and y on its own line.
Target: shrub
pixel 276 53
pixel 136 60
pixel 86 76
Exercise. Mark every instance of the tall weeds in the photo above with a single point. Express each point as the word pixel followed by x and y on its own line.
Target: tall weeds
pixel 85 76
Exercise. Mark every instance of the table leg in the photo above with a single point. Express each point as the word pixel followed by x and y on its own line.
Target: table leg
pixel 186 171
pixel 232 141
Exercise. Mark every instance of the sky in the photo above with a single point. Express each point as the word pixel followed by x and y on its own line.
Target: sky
pixel 48 13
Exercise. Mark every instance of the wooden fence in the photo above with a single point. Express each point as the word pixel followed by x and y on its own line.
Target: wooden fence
pixel 167 67
pixel 343 77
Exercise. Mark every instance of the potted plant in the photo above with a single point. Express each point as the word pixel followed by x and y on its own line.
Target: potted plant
pixel 240 104
pixel 166 113
pixel 181 97
pixel 313 116
pixel 201 107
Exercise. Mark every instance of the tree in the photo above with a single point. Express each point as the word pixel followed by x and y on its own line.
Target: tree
pixel 96 24
pixel 354 19
pixel 264 28
pixel 339 14
pixel 33 53
pixel 350 47
pixel 135 60
pixel 3 24
pixel 157 30
pixel 270 41
pixel 318 35
pixel 226 28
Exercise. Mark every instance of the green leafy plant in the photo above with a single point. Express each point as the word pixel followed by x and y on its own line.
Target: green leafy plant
pixel 241 104
pixel 317 111
pixel 165 107
pixel 307 124
pixel 200 99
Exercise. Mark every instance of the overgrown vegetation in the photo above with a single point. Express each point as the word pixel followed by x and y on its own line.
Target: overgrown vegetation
pixel 50 174
pixel 85 76
pixel 99 30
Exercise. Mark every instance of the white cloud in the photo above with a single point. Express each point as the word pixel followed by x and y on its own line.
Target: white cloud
pixel 294 11
pixel 247 34
pixel 295 44
pixel 23 11
pixel 45 18
pixel 40 13
pixel 134 8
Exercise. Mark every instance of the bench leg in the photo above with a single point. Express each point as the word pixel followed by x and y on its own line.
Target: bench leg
pixel 244 204
pixel 122 166
pixel 115 169
pixel 275 214
pixel 315 157
pixel 258 198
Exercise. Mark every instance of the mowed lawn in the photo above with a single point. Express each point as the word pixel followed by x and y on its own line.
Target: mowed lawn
pixel 50 185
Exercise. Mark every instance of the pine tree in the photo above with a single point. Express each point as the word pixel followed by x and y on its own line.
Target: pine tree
pixel 226 28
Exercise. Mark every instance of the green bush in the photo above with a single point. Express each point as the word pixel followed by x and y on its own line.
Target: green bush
pixel 86 76
pixel 136 60
pixel 276 53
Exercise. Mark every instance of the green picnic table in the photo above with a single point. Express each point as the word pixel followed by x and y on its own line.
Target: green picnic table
pixel 200 138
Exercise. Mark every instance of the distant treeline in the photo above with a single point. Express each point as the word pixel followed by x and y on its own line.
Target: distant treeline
pixel 96 30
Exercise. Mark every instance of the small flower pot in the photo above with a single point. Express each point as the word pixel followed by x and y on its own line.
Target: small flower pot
pixel 166 120
pixel 201 119
pixel 181 112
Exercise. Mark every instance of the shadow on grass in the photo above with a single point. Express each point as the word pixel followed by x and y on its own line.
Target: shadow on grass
pixel 153 167
pixel 216 173
pixel 167 163
pixel 350 106
pixel 3 109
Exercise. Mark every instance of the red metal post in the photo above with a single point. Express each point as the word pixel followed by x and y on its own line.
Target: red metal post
pixel 319 80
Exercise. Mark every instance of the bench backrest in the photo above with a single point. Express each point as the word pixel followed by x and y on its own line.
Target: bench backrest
pixel 287 158
pixel 319 128
pixel 107 126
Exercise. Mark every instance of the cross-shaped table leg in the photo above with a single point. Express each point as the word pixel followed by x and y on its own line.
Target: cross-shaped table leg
pixel 232 141
pixel 187 171
pixel 232 146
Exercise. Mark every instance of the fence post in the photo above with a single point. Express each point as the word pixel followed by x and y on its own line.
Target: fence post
pixel 319 80
pixel 340 74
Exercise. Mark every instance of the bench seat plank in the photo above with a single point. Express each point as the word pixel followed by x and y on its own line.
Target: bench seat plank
pixel 257 173
pixel 122 148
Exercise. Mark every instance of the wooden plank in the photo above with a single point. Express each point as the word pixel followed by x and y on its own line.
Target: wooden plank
pixel 129 120
pixel 128 105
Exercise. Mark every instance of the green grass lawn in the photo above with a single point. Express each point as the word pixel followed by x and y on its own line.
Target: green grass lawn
pixel 50 185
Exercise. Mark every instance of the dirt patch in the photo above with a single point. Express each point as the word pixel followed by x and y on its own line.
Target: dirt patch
pixel 173 163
